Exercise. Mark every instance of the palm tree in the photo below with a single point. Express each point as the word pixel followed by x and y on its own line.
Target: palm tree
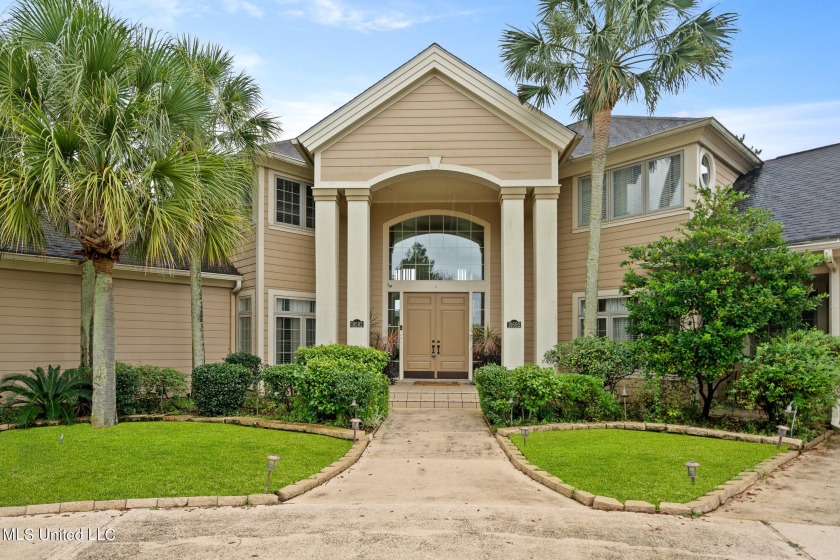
pixel 93 114
pixel 614 51
pixel 234 136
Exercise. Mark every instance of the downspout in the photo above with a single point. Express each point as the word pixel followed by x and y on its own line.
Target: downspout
pixel 238 286
pixel 833 315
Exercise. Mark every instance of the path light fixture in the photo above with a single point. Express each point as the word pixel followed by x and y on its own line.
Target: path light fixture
pixel 692 470
pixel 272 462
pixel 61 439
pixel 356 423
pixel 624 396
pixel 524 430
pixel 792 409
pixel 510 402
pixel 783 430
pixel 353 407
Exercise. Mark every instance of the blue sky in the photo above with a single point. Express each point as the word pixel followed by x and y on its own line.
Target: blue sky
pixel 311 56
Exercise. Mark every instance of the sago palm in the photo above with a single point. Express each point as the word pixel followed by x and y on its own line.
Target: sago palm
pixel 50 394
pixel 613 51
pixel 233 138
pixel 93 114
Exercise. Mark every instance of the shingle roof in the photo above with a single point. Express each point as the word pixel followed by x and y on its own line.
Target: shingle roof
pixel 802 190
pixel 57 245
pixel 625 129
pixel 284 148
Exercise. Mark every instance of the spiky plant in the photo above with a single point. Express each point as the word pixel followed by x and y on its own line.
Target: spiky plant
pixel 50 395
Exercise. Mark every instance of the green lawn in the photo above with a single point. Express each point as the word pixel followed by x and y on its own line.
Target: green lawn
pixel 632 465
pixel 154 459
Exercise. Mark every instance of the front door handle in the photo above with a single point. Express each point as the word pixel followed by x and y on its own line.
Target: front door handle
pixel 433 349
pixel 438 350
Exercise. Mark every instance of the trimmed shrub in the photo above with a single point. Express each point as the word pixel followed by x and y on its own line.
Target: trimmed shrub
pixel 250 361
pixel 801 367
pixel 672 400
pixel 281 383
pixel 329 385
pixel 128 389
pixel 496 389
pixel 583 398
pixel 542 395
pixel 219 389
pixel 159 386
pixel 368 359
pixel 596 356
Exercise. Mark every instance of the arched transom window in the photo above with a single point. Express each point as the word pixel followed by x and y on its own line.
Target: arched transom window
pixel 436 248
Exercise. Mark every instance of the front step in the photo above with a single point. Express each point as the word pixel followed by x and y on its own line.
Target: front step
pixel 466 398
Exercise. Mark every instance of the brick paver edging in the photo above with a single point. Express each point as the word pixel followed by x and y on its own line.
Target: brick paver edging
pixel 286 493
pixel 710 502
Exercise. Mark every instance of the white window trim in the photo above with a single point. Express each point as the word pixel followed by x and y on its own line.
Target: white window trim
pixel 241 295
pixel 273 296
pixel 712 168
pixel 578 297
pixel 645 215
pixel 272 205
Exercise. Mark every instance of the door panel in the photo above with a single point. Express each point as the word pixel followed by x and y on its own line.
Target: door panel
pixel 436 333
pixel 419 332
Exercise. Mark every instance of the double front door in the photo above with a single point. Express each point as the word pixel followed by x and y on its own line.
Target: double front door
pixel 436 336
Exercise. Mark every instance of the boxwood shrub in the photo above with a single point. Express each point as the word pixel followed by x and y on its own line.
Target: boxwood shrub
pixel 542 395
pixel 219 389
pixel 369 359
pixel 281 383
pixel 250 361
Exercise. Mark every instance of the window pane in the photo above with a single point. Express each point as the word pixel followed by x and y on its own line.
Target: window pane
pixel 615 305
pixel 288 202
pixel 585 200
pixel 627 191
pixel 310 208
pixel 619 330
pixel 393 310
pixel 287 339
pixel 245 304
pixel 436 248
pixel 602 327
pixel 478 308
pixel 310 332
pixel 244 335
pixel 664 183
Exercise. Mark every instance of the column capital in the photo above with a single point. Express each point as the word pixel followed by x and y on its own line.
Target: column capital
pixel 357 195
pixel 325 195
pixel 512 193
pixel 547 193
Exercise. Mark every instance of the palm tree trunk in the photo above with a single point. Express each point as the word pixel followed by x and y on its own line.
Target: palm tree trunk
pixel 197 309
pixel 104 405
pixel 600 142
pixel 86 331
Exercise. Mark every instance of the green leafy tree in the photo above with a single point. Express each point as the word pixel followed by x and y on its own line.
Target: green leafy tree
pixel 233 137
pixel 613 51
pixel 697 298
pixel 94 115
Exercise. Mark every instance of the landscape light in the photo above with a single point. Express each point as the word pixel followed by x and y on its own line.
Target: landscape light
pixel 510 402
pixel 692 470
pixel 524 431
pixel 783 430
pixel 624 396
pixel 272 462
pixel 356 423
pixel 792 409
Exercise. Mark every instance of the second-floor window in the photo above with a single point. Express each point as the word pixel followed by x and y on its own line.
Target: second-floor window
pixel 295 205
pixel 640 188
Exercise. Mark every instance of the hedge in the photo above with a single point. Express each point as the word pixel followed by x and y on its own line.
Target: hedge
pixel 219 389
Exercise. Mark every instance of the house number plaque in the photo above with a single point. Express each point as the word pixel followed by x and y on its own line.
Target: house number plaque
pixel 514 324
pixel 357 324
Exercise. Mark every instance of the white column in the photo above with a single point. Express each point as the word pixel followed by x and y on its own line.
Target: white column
pixel 513 276
pixel 259 303
pixel 358 280
pixel 326 266
pixel 545 269
pixel 833 293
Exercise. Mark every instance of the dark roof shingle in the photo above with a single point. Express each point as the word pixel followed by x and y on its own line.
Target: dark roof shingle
pixel 624 129
pixel 284 148
pixel 802 190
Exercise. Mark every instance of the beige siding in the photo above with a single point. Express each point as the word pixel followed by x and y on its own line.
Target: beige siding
pixel 289 252
pixel 39 321
pixel 572 248
pixel 528 321
pixel 435 119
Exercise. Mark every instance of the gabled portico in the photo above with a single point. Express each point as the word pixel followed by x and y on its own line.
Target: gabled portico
pixel 440 148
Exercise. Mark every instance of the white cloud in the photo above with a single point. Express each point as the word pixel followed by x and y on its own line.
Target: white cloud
pixel 339 13
pixel 783 129
pixel 297 116
pixel 237 6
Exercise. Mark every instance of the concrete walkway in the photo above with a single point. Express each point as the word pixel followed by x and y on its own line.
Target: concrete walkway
pixel 432 484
